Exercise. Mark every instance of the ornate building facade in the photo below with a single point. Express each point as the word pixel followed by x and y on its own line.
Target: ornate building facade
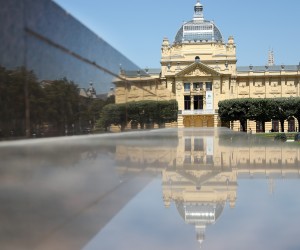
pixel 199 69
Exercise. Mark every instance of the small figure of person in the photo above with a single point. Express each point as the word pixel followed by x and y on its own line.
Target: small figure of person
pixel 250 131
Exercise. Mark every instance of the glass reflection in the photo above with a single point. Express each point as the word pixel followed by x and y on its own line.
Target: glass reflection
pixel 43 37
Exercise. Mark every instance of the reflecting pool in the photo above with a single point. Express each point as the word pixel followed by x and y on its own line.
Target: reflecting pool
pixel 156 189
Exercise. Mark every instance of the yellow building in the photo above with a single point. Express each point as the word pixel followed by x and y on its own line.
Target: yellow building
pixel 199 69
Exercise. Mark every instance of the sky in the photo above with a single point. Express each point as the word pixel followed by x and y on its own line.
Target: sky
pixel 136 28
pixel 256 222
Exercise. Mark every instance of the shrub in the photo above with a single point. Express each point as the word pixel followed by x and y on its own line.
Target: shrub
pixel 280 137
pixel 297 137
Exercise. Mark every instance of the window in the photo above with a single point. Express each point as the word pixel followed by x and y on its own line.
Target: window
pixel 187 159
pixel 198 102
pixel 187 102
pixel 206 27
pixel 209 159
pixel 208 85
pixel 198 159
pixel 188 144
pixel 198 85
pixel 198 144
pixel 187 86
pixel 198 37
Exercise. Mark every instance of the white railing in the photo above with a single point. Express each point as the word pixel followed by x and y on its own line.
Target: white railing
pixel 199 112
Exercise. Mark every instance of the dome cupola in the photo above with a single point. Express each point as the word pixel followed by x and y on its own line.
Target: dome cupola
pixel 198 29
pixel 198 11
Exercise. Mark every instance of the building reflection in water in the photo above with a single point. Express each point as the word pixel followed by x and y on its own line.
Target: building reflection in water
pixel 79 184
pixel 200 174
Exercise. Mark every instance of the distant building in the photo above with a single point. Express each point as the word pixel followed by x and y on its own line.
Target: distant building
pixel 91 92
pixel 199 69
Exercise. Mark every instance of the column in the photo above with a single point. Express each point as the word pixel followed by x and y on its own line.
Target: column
pixel 192 102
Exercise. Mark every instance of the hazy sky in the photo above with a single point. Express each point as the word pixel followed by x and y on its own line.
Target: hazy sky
pixel 260 220
pixel 136 28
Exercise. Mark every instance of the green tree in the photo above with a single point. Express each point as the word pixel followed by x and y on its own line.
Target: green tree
pixel 235 110
pixel 168 111
pixel 91 109
pixel 136 113
pixel 13 101
pixel 260 110
pixel 142 112
pixel 62 104
pixel 113 114
pixel 282 109
pixel 295 109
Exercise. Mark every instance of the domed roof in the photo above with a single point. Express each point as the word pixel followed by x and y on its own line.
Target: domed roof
pixel 200 215
pixel 198 29
pixel 194 213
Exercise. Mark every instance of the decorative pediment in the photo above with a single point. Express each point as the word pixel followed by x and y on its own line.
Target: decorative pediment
pixel 197 69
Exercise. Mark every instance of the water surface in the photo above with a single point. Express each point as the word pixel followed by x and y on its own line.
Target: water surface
pixel 159 189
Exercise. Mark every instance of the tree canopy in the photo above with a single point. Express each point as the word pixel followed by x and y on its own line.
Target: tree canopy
pixel 143 113
pixel 259 109
pixel 55 106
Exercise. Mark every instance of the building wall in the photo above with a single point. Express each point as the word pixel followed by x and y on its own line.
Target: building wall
pixel 43 37
pixel 268 84
pixel 146 88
